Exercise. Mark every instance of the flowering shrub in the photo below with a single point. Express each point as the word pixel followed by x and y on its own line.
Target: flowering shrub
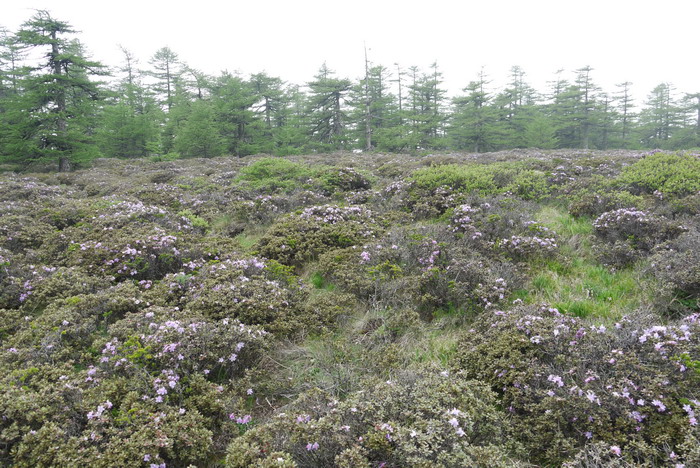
pixel 521 247
pixel 304 235
pixel 632 233
pixel 148 254
pixel 157 390
pixel 19 233
pixel 344 179
pixel 423 418
pixel 623 386
pixel 485 226
pixel 409 268
pixel 677 266
pixel 248 290
pixel 593 196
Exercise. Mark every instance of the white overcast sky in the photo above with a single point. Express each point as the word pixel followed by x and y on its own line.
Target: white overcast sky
pixel 647 42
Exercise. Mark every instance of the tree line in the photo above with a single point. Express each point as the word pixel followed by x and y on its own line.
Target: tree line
pixel 59 106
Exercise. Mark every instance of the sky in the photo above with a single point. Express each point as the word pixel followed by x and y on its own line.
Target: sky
pixel 644 42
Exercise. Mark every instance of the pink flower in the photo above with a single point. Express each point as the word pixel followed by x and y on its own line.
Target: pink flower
pixel 616 450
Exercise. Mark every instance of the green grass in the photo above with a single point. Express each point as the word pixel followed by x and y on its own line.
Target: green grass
pixel 437 346
pixel 563 223
pixel 247 241
pixel 319 282
pixel 576 283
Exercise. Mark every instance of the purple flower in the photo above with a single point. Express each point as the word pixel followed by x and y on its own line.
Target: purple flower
pixel 659 405
pixel 615 449
pixel 312 447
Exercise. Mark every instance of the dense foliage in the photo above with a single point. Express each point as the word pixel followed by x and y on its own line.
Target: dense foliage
pixel 527 308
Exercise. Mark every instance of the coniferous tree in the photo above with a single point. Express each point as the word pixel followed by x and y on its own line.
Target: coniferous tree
pixel 233 99
pixel 514 104
pixel 290 133
pixel 167 69
pixel 131 121
pixel 624 106
pixel 426 116
pixel 198 136
pixel 55 115
pixel 374 109
pixel 10 69
pixel 473 126
pixel 693 106
pixel 327 117
pixel 661 117
pixel 587 105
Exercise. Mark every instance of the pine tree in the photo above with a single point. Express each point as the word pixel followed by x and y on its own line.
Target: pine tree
pixel 233 99
pixel 661 117
pixel 198 136
pixel 426 116
pixel 514 104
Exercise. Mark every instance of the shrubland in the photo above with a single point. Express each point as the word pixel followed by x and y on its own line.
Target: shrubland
pixel 525 308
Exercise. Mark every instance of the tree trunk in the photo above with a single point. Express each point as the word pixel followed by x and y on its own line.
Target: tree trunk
pixel 64 164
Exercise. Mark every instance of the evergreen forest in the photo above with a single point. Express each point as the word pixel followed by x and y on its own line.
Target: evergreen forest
pixel 58 105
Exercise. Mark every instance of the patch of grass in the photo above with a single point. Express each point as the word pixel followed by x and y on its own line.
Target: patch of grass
pixel 543 282
pixel 575 283
pixel 319 282
pixel 563 223
pixel 275 174
pixel 247 242
pixel 589 289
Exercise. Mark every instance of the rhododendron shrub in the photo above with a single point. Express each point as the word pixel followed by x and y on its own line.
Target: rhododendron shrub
pixel 250 291
pixel 624 385
pixel 630 234
pixel 161 383
pixel 427 417
pixel 304 235
pixel 409 268
pixel 677 266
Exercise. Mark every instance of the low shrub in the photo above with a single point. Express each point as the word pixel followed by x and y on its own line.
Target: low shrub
pixel 274 174
pixel 567 382
pixel 248 290
pixel 676 265
pixel 419 418
pixel 630 234
pixel 671 174
pixel 302 236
